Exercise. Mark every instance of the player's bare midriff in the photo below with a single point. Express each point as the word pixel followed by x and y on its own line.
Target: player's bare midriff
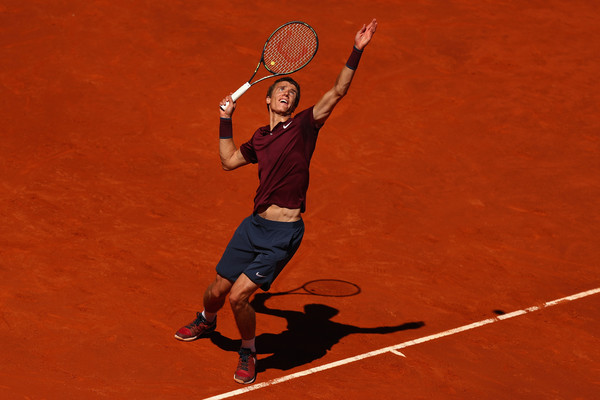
pixel 281 214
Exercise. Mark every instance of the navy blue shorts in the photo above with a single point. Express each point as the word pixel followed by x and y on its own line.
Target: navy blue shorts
pixel 260 248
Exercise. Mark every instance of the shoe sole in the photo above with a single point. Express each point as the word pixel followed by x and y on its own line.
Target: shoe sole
pixel 190 339
pixel 186 339
pixel 244 382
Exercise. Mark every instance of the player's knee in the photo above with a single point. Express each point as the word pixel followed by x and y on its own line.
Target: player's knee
pixel 237 299
pixel 219 289
pixel 217 293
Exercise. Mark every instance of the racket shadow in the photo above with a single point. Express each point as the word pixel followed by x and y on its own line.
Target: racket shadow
pixel 309 335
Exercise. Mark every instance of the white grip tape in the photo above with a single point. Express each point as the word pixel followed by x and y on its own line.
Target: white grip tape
pixel 237 94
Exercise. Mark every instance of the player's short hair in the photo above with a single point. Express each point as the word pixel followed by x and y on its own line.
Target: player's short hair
pixel 285 79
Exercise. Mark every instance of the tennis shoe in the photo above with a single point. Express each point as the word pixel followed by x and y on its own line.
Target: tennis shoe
pixel 195 329
pixel 246 369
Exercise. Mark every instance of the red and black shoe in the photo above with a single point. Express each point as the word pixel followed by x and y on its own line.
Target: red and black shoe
pixel 198 328
pixel 246 369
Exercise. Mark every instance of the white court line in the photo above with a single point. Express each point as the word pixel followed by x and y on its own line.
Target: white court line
pixel 395 349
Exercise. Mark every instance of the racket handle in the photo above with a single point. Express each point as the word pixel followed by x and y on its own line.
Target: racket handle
pixel 237 94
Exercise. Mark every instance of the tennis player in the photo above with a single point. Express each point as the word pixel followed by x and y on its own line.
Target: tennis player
pixel 266 240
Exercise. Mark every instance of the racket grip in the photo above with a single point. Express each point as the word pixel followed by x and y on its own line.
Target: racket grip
pixel 237 94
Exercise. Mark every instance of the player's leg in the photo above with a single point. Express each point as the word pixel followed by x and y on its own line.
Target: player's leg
pixel 215 295
pixel 245 318
pixel 206 321
pixel 243 312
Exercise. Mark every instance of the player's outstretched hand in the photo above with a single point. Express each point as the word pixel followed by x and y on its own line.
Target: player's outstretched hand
pixel 364 35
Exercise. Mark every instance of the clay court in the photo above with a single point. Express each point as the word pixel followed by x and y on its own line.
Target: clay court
pixel 457 186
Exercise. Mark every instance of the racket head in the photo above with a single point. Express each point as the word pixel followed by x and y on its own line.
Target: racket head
pixel 290 48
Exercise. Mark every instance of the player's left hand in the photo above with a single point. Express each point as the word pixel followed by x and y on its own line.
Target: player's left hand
pixel 364 35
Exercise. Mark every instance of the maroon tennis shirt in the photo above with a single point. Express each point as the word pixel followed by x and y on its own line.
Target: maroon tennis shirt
pixel 283 156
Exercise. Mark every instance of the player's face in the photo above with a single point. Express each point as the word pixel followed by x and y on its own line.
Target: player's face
pixel 283 98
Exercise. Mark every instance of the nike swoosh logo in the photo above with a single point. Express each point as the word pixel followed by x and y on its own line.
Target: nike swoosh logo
pixel 286 125
pixel 259 275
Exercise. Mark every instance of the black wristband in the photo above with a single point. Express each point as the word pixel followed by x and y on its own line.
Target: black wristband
pixel 354 58
pixel 225 128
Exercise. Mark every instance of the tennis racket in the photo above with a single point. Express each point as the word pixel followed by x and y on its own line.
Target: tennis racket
pixel 289 49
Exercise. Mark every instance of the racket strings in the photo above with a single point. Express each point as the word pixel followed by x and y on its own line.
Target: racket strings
pixel 290 48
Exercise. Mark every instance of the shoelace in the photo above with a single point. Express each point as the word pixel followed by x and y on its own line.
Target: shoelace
pixel 244 358
pixel 199 319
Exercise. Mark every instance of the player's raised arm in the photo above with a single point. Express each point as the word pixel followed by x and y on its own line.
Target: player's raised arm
pixel 327 103
pixel 231 156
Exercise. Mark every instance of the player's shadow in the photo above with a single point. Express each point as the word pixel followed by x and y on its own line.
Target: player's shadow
pixel 309 335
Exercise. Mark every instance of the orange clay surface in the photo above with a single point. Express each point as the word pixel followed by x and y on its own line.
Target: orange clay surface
pixel 459 180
